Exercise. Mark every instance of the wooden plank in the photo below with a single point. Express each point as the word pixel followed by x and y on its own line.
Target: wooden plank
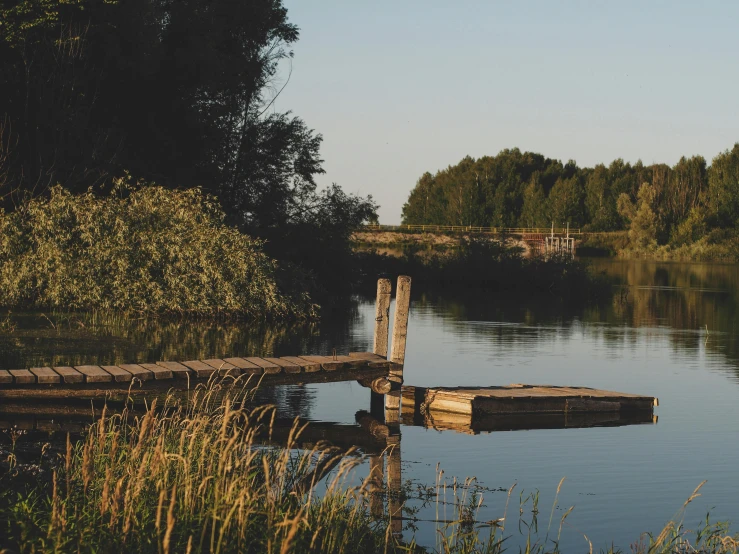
pixel 267 367
pixel 22 376
pixel 202 371
pixel 119 374
pixel 177 369
pixel 94 373
pixel 69 374
pixel 382 316
pixel 137 371
pixel 247 368
pixel 327 363
pixel 223 367
pixel 587 405
pixel 400 325
pixel 306 366
pixel 5 377
pixel 353 362
pixel 45 375
pixel 287 367
pixel 158 371
pixel 366 356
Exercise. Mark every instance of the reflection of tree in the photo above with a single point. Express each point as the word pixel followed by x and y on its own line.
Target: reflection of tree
pixel 648 295
pixel 102 338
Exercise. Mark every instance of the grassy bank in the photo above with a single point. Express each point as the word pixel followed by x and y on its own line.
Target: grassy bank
pixel 199 478
pixel 141 248
pixel 488 265
pixel 720 245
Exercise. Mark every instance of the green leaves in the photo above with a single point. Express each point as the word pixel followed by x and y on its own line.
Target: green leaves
pixel 142 248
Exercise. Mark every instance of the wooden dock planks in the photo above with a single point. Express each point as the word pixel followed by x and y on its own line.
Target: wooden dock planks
pixel 245 366
pixel 327 363
pixel 287 367
pixel 119 374
pixel 69 374
pixel 177 369
pixel 45 375
pixel 223 368
pixel 267 367
pixel 137 371
pixel 94 374
pixel 54 381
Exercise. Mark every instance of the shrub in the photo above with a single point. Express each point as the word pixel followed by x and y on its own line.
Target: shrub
pixel 141 248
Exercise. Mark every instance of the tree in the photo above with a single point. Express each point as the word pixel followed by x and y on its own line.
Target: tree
pixel 566 202
pixel 722 199
pixel 535 212
pixel 643 229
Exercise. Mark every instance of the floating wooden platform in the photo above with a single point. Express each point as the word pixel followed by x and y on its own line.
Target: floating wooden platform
pixel 522 399
pixel 106 380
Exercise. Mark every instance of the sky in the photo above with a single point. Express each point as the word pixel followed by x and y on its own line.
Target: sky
pixel 401 87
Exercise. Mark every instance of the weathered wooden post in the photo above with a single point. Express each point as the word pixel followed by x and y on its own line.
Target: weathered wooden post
pixel 400 332
pixel 380 347
pixel 382 317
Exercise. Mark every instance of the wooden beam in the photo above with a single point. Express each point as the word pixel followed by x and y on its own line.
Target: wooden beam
pixel 382 317
pixel 400 324
pixel 45 375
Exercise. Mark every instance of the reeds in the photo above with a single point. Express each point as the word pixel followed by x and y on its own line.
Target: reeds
pixel 201 476
pixel 193 478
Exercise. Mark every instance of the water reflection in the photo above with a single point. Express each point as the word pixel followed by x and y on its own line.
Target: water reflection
pixel 649 338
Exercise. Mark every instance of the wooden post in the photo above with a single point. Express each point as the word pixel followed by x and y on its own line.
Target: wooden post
pixel 400 331
pixel 400 325
pixel 382 316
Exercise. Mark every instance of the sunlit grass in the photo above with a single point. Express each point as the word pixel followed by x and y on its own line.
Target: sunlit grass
pixel 198 476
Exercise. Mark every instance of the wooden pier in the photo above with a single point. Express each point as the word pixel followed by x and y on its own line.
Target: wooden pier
pixel 134 379
pixel 380 370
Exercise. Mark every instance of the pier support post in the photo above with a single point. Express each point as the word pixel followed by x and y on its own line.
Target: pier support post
pixel 380 346
pixel 382 317
pixel 400 331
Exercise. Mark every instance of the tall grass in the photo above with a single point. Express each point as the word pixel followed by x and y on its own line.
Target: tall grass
pixel 142 248
pixel 191 479
pixel 197 477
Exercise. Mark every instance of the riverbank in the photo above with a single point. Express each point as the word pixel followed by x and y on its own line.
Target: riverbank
pixel 488 265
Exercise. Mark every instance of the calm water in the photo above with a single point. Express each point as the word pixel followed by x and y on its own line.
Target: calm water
pixel 669 332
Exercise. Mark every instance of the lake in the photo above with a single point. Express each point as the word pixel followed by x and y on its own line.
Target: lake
pixel 669 332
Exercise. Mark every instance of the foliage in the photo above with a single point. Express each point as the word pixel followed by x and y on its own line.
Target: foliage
pixel 180 93
pixel 681 205
pixel 142 248
pixel 643 229
pixel 192 478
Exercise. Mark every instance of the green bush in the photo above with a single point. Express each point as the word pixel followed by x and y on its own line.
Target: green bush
pixel 141 248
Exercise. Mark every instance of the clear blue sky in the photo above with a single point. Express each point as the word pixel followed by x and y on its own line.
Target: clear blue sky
pixel 406 86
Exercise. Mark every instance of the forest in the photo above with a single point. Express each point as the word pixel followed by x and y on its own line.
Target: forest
pixel 686 204
pixel 180 94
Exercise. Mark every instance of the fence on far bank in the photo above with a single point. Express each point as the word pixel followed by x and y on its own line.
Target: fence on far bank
pixel 474 229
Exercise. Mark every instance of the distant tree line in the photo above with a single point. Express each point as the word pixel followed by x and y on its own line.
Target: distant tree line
pixel 657 203
pixel 176 92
